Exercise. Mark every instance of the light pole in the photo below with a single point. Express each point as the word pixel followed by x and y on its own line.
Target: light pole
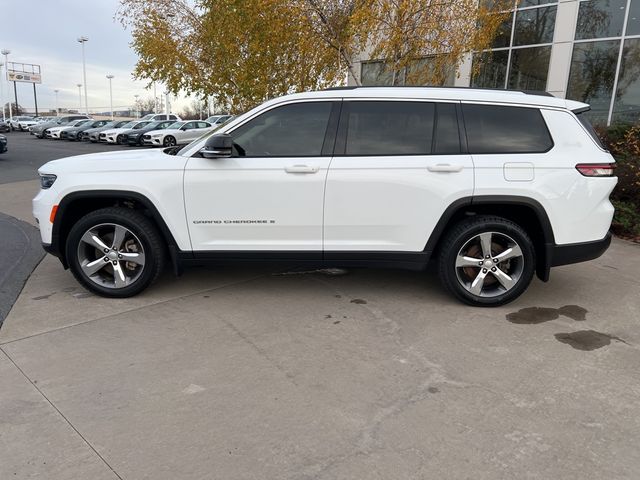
pixel 6 53
pixel 56 92
pixel 167 104
pixel 136 105
pixel 155 99
pixel 110 77
pixel 4 117
pixel 82 41
pixel 79 85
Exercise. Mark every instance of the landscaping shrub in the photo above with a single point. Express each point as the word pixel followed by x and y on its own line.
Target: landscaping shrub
pixel 623 141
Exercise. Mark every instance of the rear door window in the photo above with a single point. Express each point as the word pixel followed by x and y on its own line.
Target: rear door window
pixel 389 128
pixel 505 129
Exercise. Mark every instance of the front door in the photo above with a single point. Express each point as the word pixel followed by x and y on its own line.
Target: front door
pixel 269 195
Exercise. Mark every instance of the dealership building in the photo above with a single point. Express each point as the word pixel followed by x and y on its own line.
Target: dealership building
pixel 586 50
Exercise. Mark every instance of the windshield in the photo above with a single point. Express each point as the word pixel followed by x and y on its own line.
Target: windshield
pixel 176 125
pixel 127 125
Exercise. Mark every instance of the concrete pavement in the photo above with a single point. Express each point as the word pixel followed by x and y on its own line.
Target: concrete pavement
pixel 242 374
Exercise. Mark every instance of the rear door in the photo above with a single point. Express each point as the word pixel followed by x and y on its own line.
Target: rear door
pixel 397 166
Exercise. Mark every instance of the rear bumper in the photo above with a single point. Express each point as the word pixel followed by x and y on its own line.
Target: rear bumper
pixel 579 252
pixel 557 255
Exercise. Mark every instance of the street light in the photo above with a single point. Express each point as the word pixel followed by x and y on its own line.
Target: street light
pixel 110 77
pixel 136 105
pixel 4 117
pixel 82 41
pixel 167 104
pixel 6 53
pixel 79 85
pixel 56 92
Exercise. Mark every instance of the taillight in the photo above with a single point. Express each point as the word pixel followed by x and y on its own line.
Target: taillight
pixel 596 169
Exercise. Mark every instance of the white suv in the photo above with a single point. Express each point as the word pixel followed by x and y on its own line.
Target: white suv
pixel 494 185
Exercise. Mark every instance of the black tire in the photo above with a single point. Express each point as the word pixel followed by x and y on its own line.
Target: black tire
pixel 169 141
pixel 120 139
pixel 144 230
pixel 459 280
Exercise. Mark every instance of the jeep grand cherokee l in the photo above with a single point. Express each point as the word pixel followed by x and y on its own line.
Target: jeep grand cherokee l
pixel 496 186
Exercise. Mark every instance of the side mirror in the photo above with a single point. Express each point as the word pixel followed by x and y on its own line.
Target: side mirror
pixel 217 146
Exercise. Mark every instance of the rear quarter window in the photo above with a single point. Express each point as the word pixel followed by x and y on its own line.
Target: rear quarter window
pixel 505 129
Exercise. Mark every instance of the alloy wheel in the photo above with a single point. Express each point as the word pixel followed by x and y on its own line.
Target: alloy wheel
pixel 111 255
pixel 489 264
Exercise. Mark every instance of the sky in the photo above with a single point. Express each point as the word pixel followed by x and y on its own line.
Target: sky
pixel 45 32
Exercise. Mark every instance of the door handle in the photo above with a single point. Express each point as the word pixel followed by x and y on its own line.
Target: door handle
pixel 301 169
pixel 445 167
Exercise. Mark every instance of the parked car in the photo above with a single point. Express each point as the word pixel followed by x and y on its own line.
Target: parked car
pixel 156 117
pixel 75 133
pixel 14 122
pixel 93 134
pixel 3 144
pixel 218 119
pixel 4 126
pixel 39 129
pixel 134 138
pixel 56 132
pixel 178 133
pixel 25 125
pixel 354 177
pixel 119 135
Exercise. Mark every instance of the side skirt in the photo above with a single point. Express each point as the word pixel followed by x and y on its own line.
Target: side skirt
pixel 416 261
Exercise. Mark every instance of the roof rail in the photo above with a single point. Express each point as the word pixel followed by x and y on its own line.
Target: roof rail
pixel 526 92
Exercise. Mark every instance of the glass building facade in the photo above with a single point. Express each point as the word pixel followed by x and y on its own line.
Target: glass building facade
pixel 586 50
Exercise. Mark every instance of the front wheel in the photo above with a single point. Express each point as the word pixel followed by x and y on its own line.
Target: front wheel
pixel 169 141
pixel 115 252
pixel 486 261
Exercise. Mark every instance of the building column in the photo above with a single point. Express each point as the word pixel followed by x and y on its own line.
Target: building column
pixel 562 49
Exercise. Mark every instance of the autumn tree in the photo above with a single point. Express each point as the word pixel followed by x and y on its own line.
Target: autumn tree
pixel 242 52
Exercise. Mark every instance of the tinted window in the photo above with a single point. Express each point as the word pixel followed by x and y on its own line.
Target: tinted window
pixel 292 130
pixel 498 129
pixel 447 139
pixel 389 128
pixel 584 120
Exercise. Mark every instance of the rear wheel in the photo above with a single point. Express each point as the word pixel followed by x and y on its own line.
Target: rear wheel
pixel 169 141
pixel 115 252
pixel 486 261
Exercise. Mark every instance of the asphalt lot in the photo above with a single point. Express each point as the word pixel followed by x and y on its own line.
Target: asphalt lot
pixel 246 373
pixel 20 249
pixel 27 153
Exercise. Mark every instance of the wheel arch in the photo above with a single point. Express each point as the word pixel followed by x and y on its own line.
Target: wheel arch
pixel 525 211
pixel 77 204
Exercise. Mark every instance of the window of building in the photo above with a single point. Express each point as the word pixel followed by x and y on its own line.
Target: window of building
pixel 492 69
pixel 633 24
pixel 513 63
pixel 389 128
pixel 600 19
pixel 499 129
pixel 529 68
pixel 375 73
pixel 591 76
pixel 535 26
pixel 295 130
pixel 626 106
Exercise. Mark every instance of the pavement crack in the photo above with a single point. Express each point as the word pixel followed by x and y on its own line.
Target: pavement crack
pixel 61 414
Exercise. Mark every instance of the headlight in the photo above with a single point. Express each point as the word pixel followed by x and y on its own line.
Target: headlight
pixel 46 181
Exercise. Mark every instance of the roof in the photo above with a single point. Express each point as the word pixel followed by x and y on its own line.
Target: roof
pixel 443 93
